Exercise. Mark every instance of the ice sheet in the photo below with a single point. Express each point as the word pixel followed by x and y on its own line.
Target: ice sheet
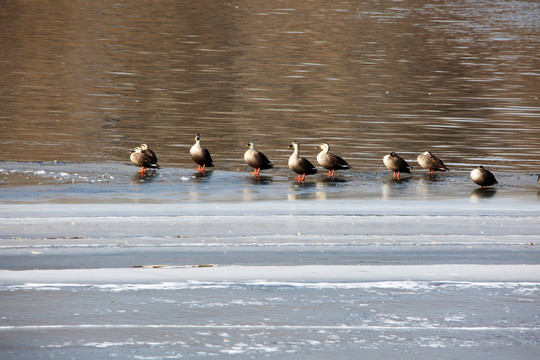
pixel 309 274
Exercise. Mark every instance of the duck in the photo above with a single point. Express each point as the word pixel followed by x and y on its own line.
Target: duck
pixel 483 177
pixel 300 165
pixel 396 164
pixel 256 159
pixel 200 155
pixel 149 152
pixel 142 159
pixel 430 162
pixel 329 161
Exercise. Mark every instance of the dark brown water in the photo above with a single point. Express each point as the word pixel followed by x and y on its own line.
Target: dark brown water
pixel 87 81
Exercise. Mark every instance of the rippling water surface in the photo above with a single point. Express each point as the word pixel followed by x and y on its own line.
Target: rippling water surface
pixel 87 81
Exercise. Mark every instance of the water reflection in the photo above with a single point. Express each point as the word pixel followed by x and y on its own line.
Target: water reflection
pixel 302 185
pixel 301 190
pixel 147 176
pixel 482 193
pixel 248 194
pixel 307 195
pixel 458 77
pixel 202 175
pixel 433 178
pixel 332 181
pixel 403 178
pixel 393 187
pixel 260 180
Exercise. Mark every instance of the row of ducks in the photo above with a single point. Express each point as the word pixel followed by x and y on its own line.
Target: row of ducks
pixel 145 158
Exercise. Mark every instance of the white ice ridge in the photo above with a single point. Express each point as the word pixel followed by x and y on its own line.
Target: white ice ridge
pixel 266 327
pixel 300 274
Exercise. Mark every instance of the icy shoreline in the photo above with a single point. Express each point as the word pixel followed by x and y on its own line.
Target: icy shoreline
pixel 291 274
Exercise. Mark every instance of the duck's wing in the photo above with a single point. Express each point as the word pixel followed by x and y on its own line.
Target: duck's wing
pixel 402 164
pixel 304 166
pixel 338 161
pixel 438 163
pixel 263 161
pixel 207 158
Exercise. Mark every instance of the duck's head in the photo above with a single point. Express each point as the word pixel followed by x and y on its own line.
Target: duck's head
pixel 323 146
pixel 250 144
pixel 294 145
pixel 136 149
pixel 144 147
pixel 198 137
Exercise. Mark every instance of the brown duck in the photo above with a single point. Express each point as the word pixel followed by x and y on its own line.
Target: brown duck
pixel 483 177
pixel 256 159
pixel 300 165
pixel 330 161
pixel 143 159
pixel 430 162
pixel 200 155
pixel 396 164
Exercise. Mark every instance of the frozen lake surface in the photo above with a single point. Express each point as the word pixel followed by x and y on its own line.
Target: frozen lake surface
pixel 408 311
pixel 97 262
pixel 382 311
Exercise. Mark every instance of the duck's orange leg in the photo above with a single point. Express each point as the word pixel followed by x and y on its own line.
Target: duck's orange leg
pixel 256 172
pixel 142 170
